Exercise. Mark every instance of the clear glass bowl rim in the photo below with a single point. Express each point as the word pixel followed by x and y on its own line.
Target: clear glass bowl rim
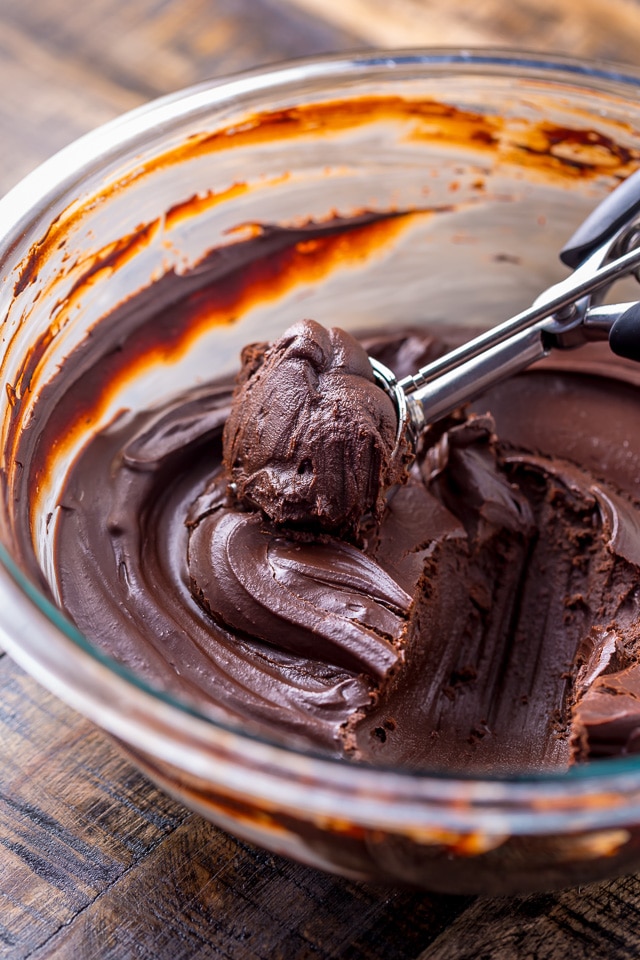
pixel 110 684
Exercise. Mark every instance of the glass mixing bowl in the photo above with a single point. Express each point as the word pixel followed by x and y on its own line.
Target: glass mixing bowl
pixel 500 155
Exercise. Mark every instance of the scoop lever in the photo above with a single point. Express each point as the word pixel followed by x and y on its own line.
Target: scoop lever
pixel 609 216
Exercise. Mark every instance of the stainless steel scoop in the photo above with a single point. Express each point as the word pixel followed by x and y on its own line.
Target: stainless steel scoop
pixel 603 249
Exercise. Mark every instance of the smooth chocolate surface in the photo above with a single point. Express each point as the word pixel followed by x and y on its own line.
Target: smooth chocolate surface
pixel 487 619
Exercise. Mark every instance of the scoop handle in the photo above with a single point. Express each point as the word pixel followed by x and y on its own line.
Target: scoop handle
pixel 602 223
pixel 624 336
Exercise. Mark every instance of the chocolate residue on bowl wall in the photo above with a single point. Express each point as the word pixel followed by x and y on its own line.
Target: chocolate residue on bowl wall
pixel 562 151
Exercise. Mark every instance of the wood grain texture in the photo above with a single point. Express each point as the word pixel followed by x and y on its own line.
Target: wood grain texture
pixel 46 103
pixel 74 815
pixel 96 862
pixel 207 895
pixel 580 28
pixel 153 46
pixel 63 75
pixel 601 920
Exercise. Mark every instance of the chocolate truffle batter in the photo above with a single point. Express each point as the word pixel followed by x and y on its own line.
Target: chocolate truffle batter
pixel 484 617
pixel 311 438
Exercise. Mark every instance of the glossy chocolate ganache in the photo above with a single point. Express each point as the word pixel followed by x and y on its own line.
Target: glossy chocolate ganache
pixel 476 608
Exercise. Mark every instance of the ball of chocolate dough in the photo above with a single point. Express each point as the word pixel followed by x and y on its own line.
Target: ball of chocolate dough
pixel 312 439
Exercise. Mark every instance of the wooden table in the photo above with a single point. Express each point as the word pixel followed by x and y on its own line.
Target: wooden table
pixel 94 861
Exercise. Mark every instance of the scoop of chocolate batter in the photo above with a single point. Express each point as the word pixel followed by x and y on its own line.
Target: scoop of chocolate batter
pixel 311 439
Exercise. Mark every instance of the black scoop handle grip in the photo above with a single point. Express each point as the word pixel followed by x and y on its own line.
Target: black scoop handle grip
pixel 624 336
pixel 601 224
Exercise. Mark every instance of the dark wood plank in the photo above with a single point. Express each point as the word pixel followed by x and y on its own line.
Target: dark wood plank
pixel 206 895
pixel 46 102
pixel 64 74
pixel 599 920
pixel 154 46
pixel 96 862
pixel 74 814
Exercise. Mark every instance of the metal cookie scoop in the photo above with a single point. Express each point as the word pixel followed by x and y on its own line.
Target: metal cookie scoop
pixel 604 248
